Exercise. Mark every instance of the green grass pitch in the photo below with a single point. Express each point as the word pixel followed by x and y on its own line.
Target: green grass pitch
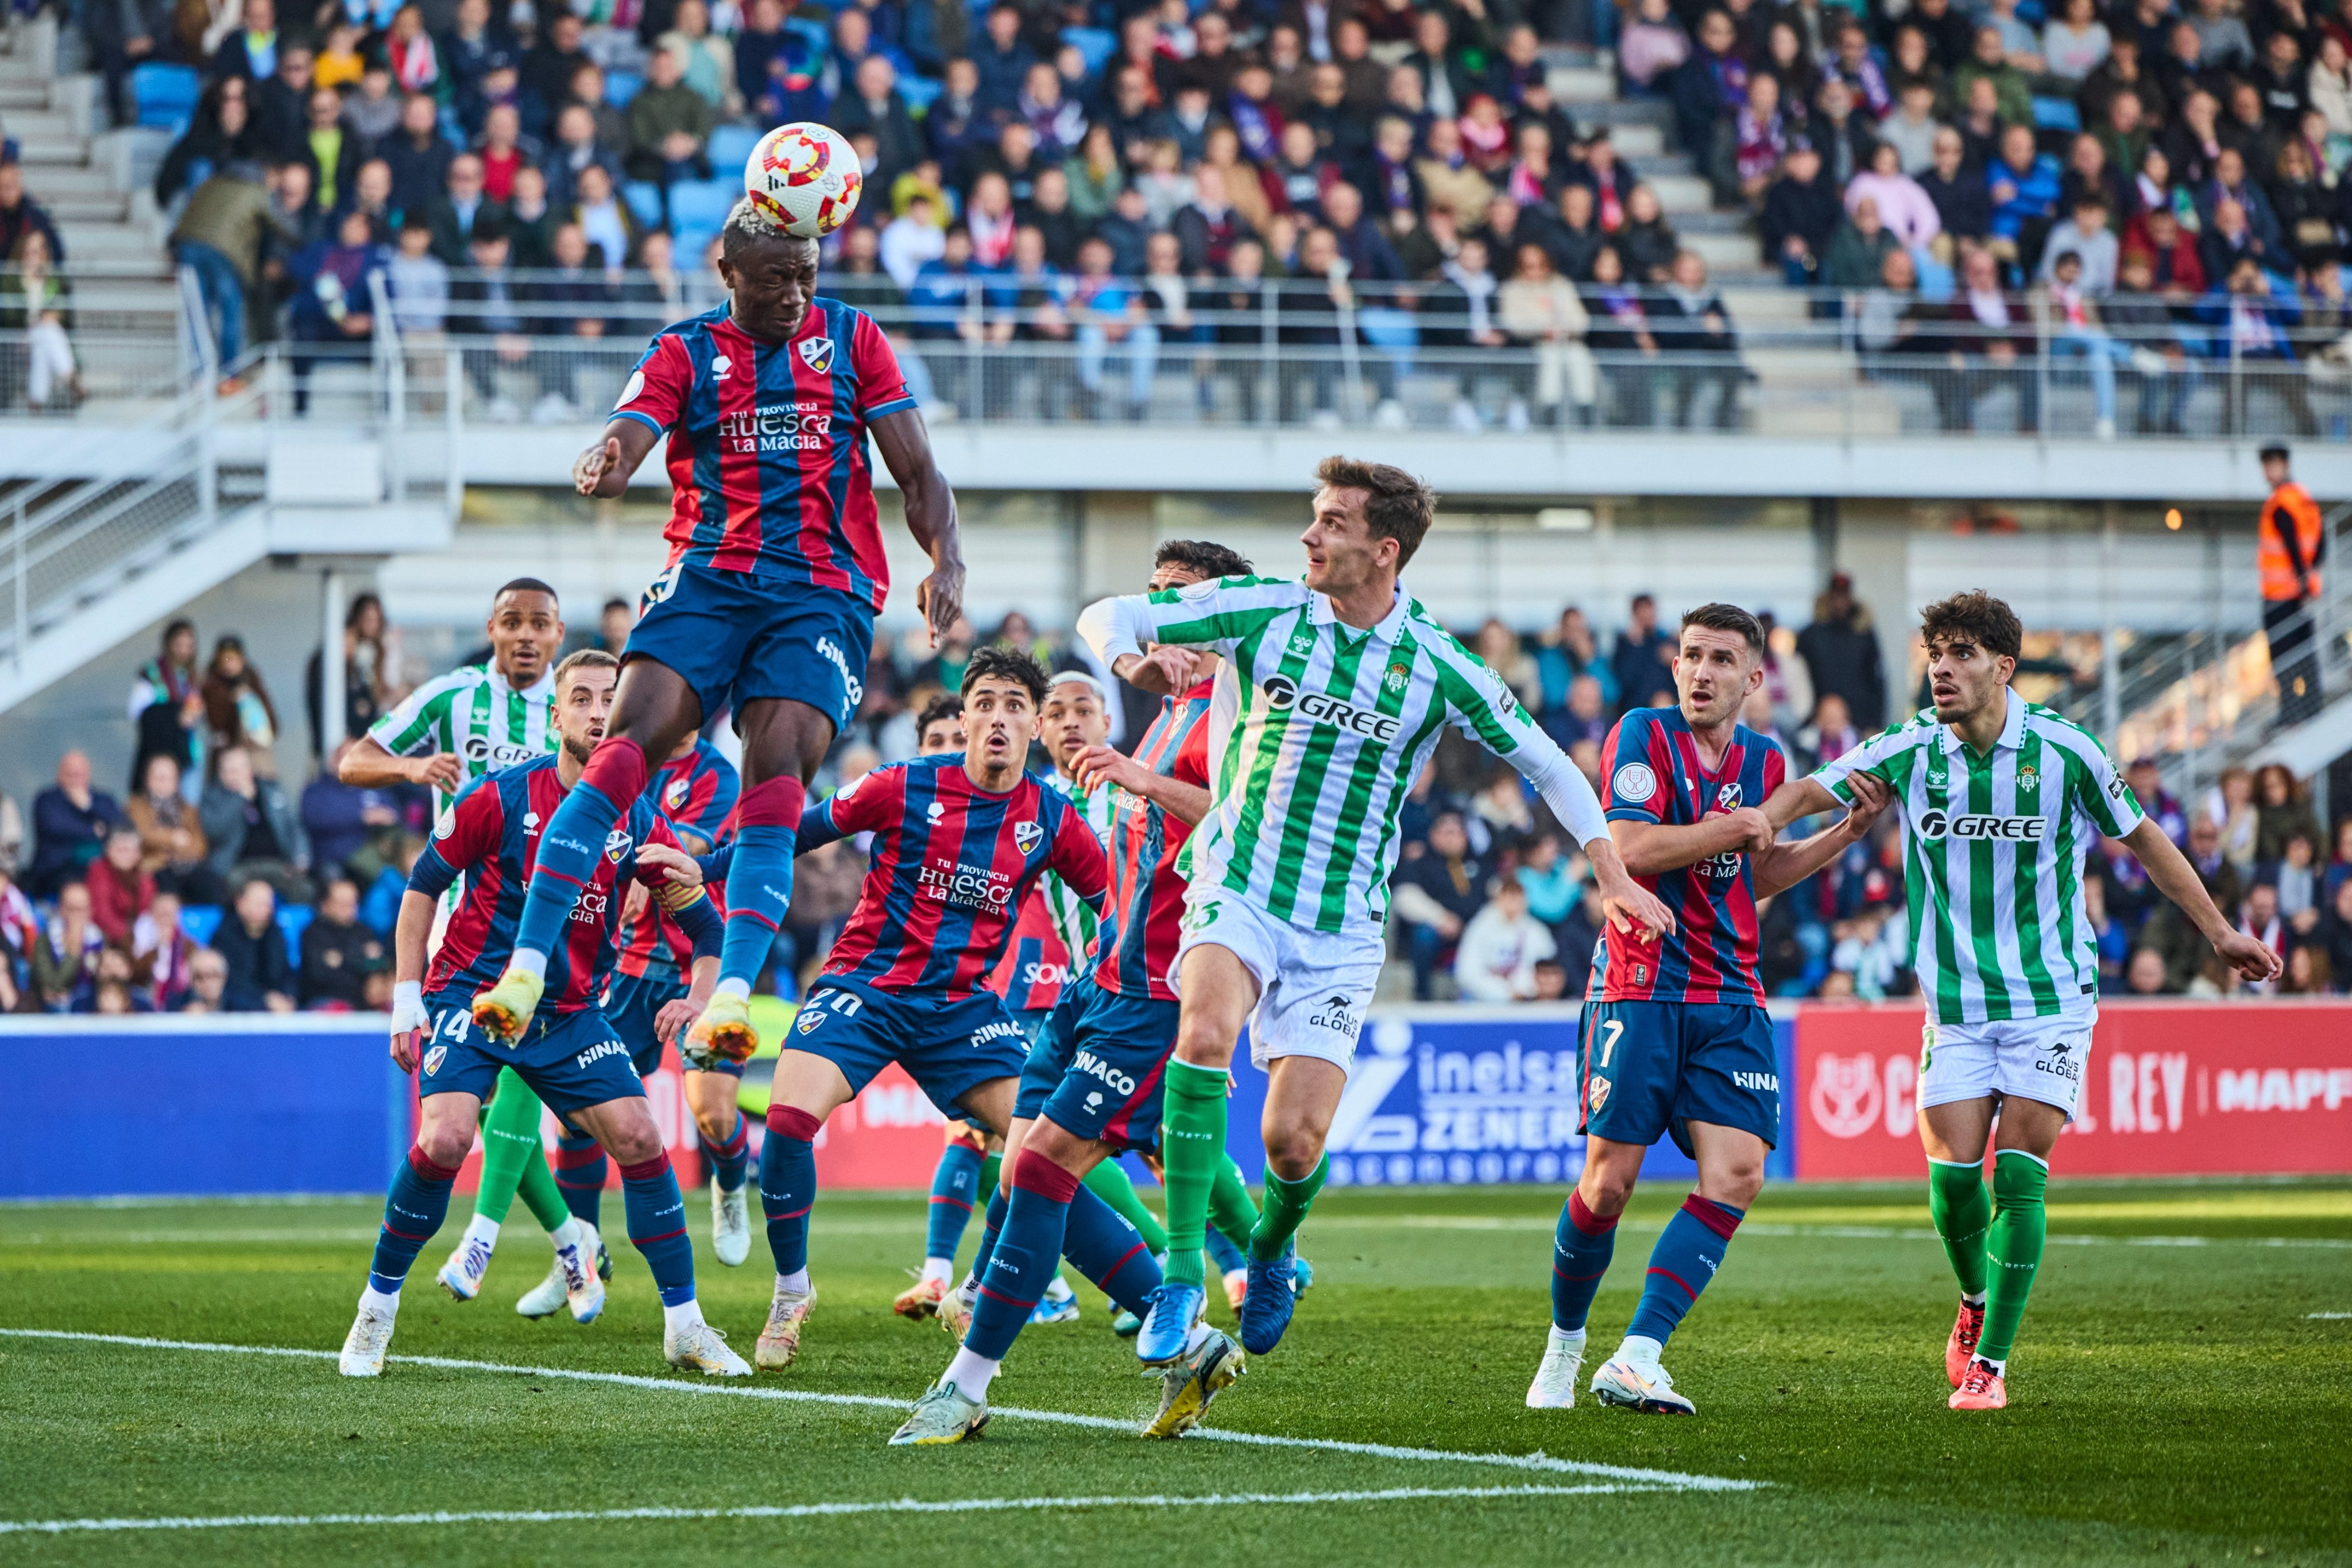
pixel 2182 1392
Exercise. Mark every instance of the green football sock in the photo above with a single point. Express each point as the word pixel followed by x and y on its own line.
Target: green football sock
pixel 1961 1210
pixel 990 1165
pixel 538 1189
pixel 1230 1208
pixel 1287 1203
pixel 1191 1147
pixel 2014 1241
pixel 1108 1181
pixel 510 1148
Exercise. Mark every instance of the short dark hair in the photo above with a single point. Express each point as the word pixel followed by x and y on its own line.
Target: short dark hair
pixel 1398 506
pixel 2275 449
pixel 1206 557
pixel 586 659
pixel 525 585
pixel 1976 615
pixel 618 604
pixel 1006 664
pixel 947 705
pixel 1728 618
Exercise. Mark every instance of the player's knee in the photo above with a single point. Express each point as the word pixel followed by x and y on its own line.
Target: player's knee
pixel 1735 1185
pixel 446 1145
pixel 716 1122
pixel 633 1144
pixel 1605 1189
pixel 1293 1149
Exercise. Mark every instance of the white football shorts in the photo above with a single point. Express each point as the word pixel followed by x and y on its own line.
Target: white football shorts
pixel 2040 1059
pixel 1314 987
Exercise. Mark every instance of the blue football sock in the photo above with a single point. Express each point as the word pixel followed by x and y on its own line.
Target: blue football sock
pixel 580 1171
pixel 788 1184
pixel 1100 1244
pixel 413 1210
pixel 730 1160
pixel 990 1228
pixel 657 1226
pixel 568 847
pixel 1028 1253
pixel 1227 1255
pixel 759 890
pixel 1688 1253
pixel 955 1181
pixel 1581 1250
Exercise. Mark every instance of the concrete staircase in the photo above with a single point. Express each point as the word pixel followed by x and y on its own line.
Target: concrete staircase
pixel 92 181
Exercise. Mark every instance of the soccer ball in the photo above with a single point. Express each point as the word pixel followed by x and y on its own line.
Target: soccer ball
pixel 804 176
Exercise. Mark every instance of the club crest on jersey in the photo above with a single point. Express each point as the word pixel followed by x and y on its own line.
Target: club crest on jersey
pixel 675 796
pixel 616 844
pixel 1596 1096
pixel 2026 779
pixel 808 1020
pixel 816 353
pixel 1634 781
pixel 1398 677
pixel 434 1059
pixel 1027 836
pixel 1727 798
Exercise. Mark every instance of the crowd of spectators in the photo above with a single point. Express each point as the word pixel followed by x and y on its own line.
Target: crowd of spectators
pixel 209 884
pixel 2138 189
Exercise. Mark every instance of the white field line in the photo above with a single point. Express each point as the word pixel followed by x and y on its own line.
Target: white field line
pixel 800 1511
pixel 1673 1479
pixel 2330 1315
pixel 1836 1232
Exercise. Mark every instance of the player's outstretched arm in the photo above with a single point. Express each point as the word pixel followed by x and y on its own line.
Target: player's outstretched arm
pixel 410 936
pixel 1786 864
pixel 1212 615
pixel 906 444
pixel 2178 881
pixel 1799 798
pixel 368 766
pixel 605 468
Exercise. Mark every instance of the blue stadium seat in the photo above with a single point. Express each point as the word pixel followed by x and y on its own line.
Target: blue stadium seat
pixel 688 243
pixel 620 87
pixel 167 95
pixel 810 33
pixel 200 921
pixel 644 199
pixel 2057 114
pixel 730 147
pixel 293 919
pixel 702 204
pixel 920 93
pixel 1097 44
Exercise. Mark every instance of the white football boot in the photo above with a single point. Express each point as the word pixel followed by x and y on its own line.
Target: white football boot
pixel 364 1347
pixel 701 1348
pixel 730 1224
pixel 1555 1385
pixel 461 1276
pixel 1636 1385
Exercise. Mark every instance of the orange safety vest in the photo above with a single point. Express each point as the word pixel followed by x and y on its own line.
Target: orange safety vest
pixel 2288 541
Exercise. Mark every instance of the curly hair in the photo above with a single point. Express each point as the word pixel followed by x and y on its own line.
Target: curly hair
pixel 1976 617
pixel 1006 664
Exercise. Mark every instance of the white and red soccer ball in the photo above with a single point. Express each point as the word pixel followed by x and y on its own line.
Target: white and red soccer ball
pixel 804 176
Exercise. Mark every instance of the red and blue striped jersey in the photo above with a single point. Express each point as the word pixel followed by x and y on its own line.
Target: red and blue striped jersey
pixel 491 834
pixel 767 459
pixel 1653 773
pixel 1036 963
pixel 1141 924
pixel 951 867
pixel 695 792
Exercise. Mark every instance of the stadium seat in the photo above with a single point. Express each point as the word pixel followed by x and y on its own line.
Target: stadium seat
pixel 810 33
pixel 293 919
pixel 731 146
pixel 644 199
pixel 200 921
pixel 167 95
pixel 688 243
pixel 1097 44
pixel 2057 114
pixel 920 93
pixel 620 87
pixel 702 204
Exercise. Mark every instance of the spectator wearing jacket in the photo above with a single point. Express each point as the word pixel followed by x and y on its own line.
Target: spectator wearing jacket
pixel 260 975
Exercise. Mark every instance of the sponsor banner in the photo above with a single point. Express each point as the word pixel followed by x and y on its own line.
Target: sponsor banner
pixel 2171 1087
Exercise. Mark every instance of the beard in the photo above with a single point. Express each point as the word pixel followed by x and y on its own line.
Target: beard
pixel 578 750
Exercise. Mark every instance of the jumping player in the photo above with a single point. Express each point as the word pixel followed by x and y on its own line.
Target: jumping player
pixel 571 1059
pixel 776 570
pixel 2003 799
pixel 1341 684
pixel 1091 1088
pixel 695 791
pixel 474 720
pixel 1675 1037
pixel 957 843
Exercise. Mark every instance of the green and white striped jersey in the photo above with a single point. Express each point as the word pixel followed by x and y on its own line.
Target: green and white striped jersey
pixel 1319 731
pixel 473 712
pixel 1073 919
pixel 1992 854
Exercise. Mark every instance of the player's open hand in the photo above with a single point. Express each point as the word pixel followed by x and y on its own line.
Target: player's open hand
pixel 675 1019
pixel 1100 765
pixel 588 469
pixel 443 771
pixel 940 598
pixel 2253 958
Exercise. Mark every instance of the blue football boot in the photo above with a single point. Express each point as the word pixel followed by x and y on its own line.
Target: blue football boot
pixel 1273 1293
pixel 1175 1307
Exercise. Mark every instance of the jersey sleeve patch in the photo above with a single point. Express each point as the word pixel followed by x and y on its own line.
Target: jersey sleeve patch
pixel 657 388
pixel 1636 790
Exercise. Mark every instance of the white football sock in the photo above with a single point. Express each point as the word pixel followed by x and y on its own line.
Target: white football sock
pixel 796 1282
pixel 2000 1368
pixel 1976 1300
pixel 529 962
pixel 687 1314
pixel 1058 1289
pixel 1570 1340
pixel 484 1229
pixel 376 1303
pixel 1640 1349
pixel 971 1372
pixel 568 1234
pixel 939 1269
pixel 740 989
